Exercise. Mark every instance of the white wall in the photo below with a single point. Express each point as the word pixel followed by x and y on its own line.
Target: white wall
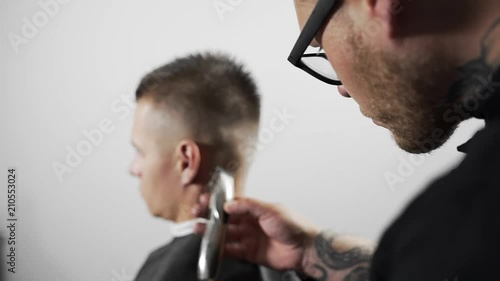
pixel 328 163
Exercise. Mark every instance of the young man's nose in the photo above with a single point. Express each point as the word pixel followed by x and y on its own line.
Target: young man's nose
pixel 134 169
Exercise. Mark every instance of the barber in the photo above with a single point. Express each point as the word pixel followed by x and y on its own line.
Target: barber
pixel 417 68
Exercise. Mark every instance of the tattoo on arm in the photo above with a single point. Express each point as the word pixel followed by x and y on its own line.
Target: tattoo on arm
pixel 324 274
pixel 339 260
pixel 358 274
pixel 357 258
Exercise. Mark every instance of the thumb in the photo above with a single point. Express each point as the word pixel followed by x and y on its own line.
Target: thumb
pixel 248 206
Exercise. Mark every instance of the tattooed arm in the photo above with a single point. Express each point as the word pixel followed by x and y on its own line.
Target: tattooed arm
pixel 336 257
pixel 270 235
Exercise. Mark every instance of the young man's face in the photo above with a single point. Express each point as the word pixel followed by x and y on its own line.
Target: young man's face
pixel 154 163
pixel 401 85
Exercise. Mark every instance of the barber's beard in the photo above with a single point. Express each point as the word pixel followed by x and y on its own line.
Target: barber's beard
pixel 406 95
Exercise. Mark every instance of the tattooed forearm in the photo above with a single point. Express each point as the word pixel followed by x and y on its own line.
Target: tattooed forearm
pixel 339 260
pixel 324 273
pixel 358 274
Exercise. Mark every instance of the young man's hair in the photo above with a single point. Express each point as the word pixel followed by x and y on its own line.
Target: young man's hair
pixel 214 97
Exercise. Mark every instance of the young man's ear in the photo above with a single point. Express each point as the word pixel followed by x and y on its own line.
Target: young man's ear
pixel 189 161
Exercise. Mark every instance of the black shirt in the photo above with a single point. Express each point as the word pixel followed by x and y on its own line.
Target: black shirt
pixel 178 261
pixel 451 231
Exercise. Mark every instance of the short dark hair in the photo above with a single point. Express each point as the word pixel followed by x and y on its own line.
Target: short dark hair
pixel 213 95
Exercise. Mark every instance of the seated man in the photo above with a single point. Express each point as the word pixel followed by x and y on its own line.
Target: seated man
pixel 193 114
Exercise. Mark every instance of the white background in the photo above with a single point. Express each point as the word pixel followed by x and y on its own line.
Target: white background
pixel 327 164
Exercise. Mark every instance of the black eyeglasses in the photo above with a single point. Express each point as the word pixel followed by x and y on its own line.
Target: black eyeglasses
pixel 316 64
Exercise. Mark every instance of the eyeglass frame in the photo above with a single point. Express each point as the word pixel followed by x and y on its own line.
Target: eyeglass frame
pixel 316 20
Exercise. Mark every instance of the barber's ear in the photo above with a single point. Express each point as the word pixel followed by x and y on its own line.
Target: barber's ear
pixel 386 11
pixel 189 161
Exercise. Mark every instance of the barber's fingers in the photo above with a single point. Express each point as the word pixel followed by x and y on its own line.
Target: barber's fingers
pixel 200 209
pixel 241 242
pixel 236 250
pixel 204 198
pixel 248 206
pixel 233 233
pixel 233 224
pixel 199 228
pixel 242 231
pixel 270 219
pixel 197 209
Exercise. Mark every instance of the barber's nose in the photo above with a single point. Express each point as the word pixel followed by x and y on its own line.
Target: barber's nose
pixel 314 43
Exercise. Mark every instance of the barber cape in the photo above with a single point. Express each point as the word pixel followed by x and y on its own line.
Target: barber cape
pixel 178 261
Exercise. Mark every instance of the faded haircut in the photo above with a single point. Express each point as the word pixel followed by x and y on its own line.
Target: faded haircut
pixel 214 97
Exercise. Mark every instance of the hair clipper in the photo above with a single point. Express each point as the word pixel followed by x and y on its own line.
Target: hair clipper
pixel 221 188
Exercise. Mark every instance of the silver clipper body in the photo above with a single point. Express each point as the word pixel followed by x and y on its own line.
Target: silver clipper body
pixel 221 188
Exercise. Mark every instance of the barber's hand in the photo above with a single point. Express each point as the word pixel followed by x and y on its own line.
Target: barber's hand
pixel 266 234
pixel 200 209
